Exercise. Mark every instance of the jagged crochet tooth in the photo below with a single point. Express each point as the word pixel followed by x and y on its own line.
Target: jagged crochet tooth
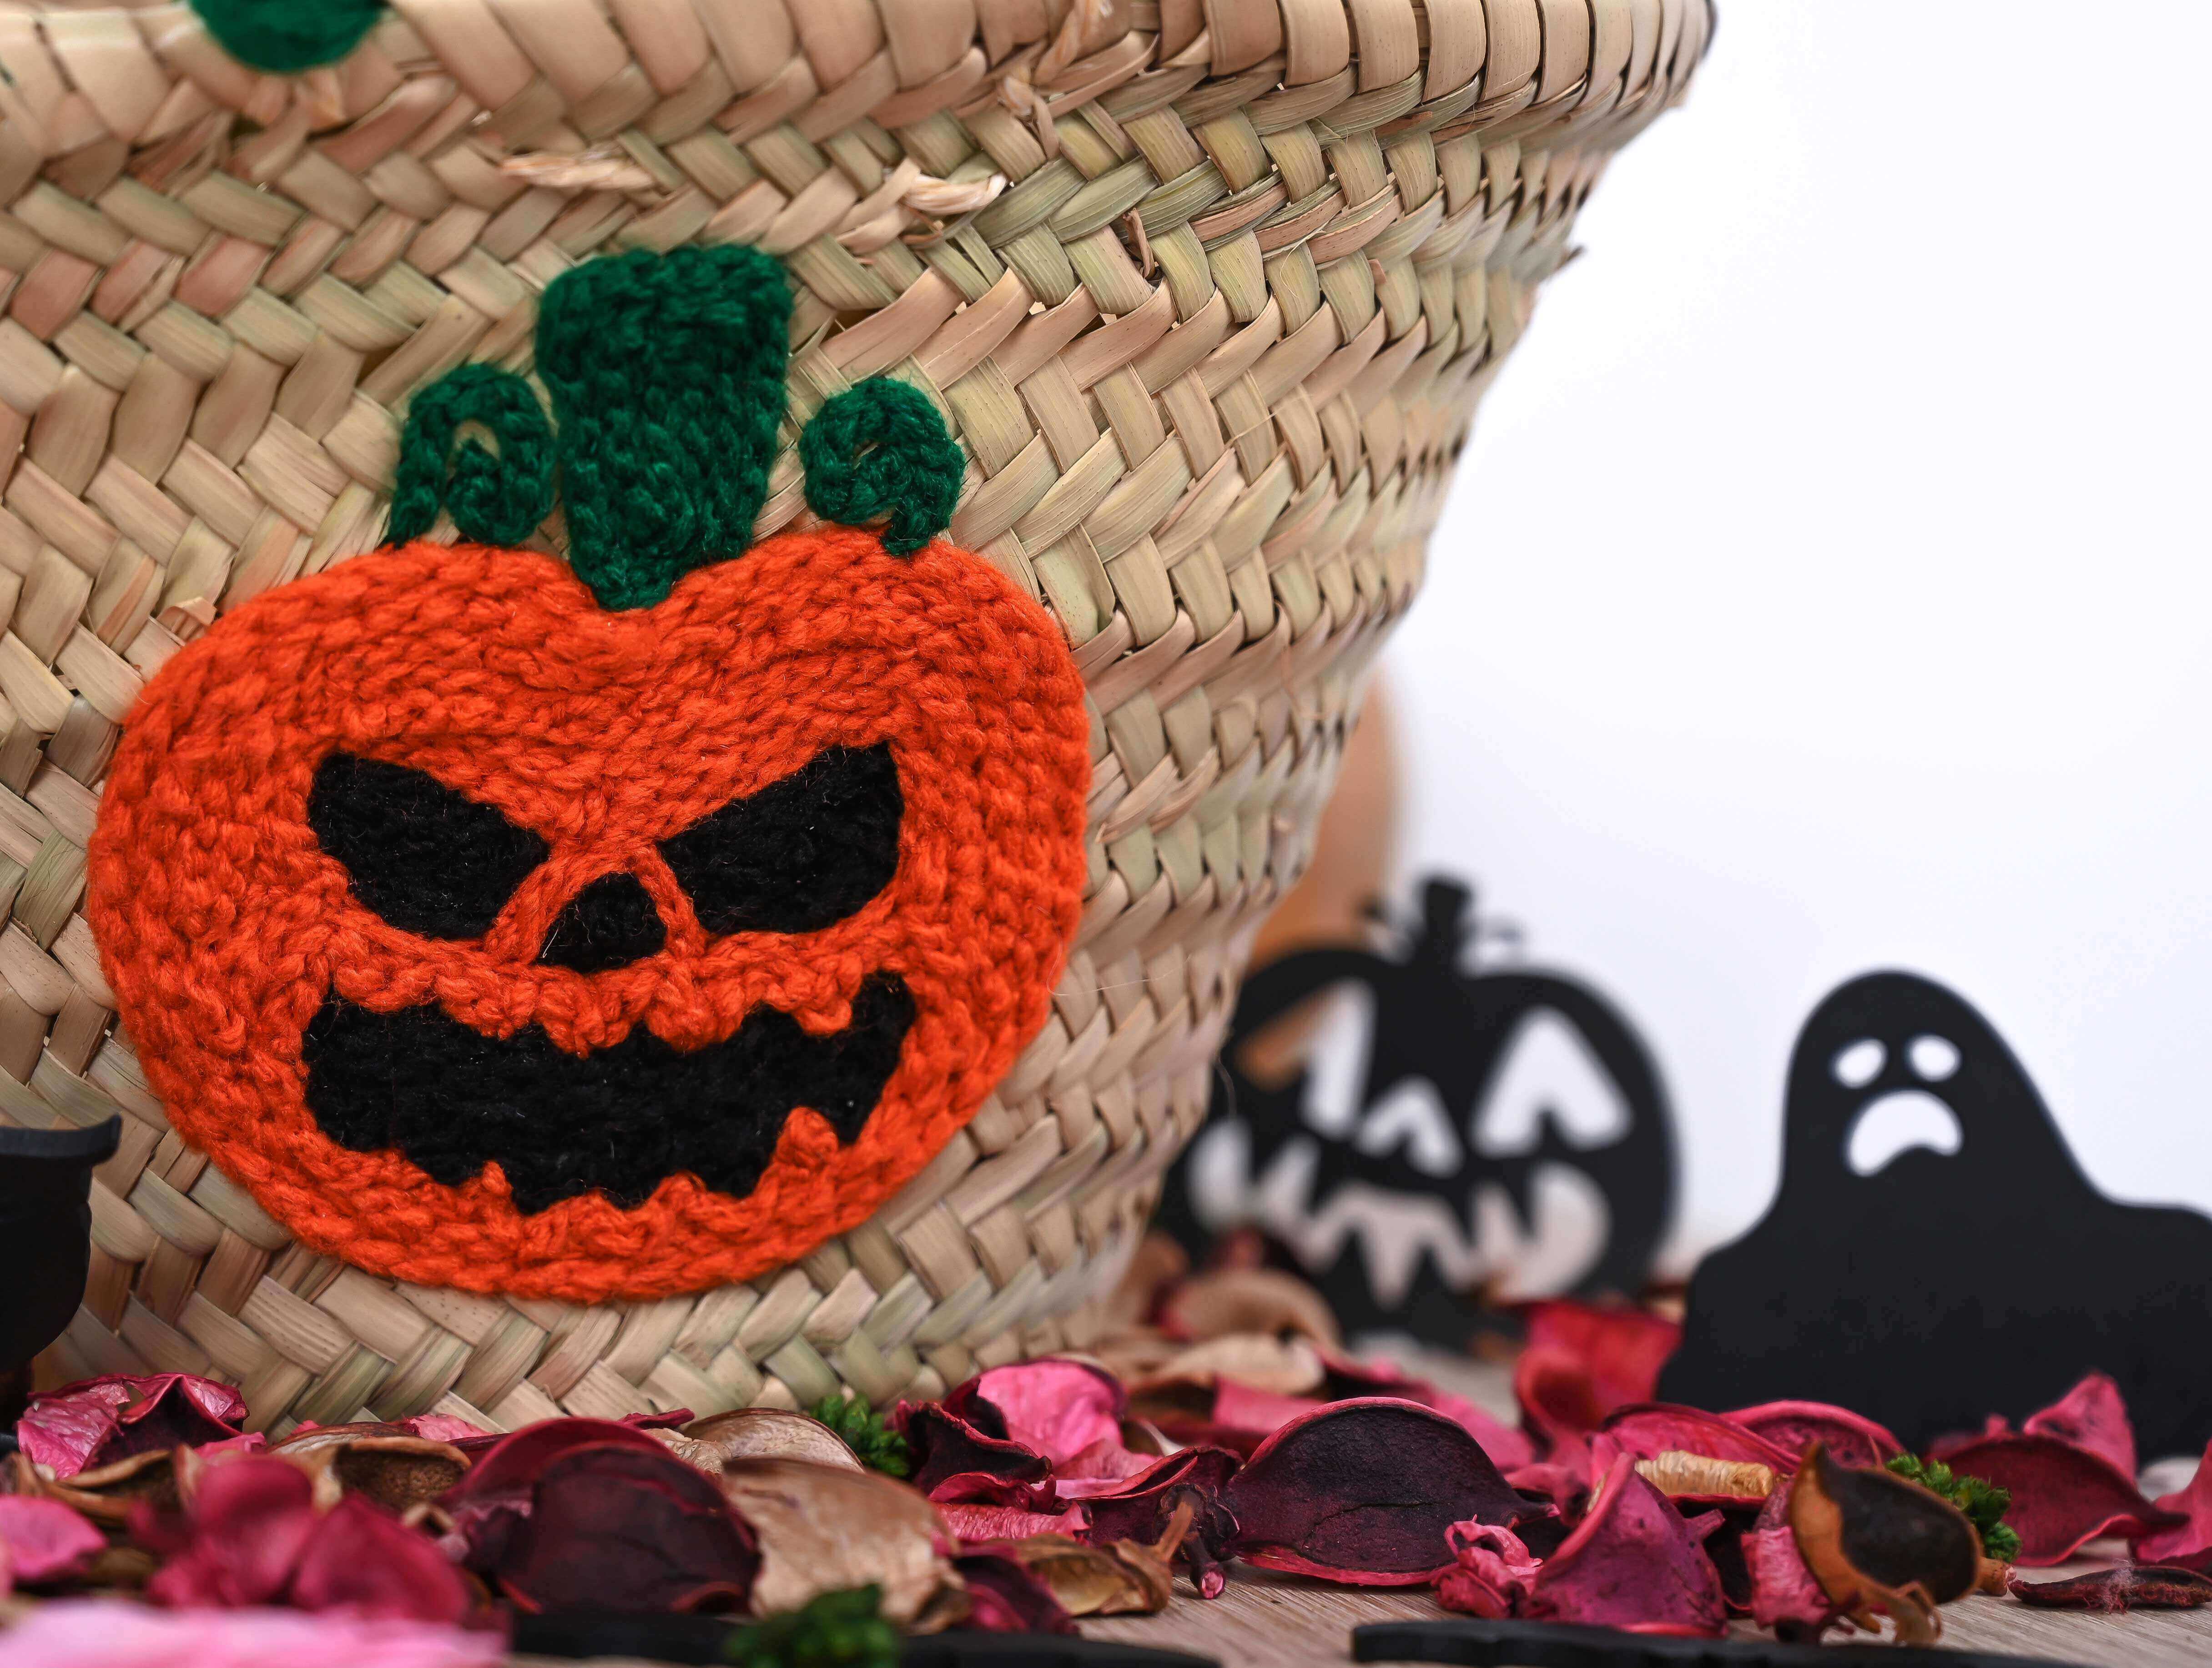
pixel 666 373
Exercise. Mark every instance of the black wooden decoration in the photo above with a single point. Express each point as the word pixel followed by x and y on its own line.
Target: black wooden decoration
pixel 1486 1106
pixel 1944 1286
pixel 46 1229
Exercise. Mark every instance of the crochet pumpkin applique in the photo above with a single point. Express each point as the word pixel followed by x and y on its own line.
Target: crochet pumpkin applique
pixel 622 926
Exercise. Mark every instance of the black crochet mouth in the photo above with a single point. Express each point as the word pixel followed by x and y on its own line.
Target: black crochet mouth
pixel 619 1120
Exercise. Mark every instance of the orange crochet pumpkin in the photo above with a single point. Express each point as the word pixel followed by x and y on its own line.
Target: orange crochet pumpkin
pixel 493 938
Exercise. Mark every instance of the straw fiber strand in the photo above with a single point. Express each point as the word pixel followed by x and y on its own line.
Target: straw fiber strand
pixel 1207 290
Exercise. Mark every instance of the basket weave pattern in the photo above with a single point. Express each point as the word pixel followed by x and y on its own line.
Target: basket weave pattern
pixel 1208 293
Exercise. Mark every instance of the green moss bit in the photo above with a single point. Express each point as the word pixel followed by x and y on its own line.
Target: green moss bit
pixel 1983 1502
pixel 879 1447
pixel 495 498
pixel 284 37
pixel 837 1630
pixel 666 373
pixel 881 450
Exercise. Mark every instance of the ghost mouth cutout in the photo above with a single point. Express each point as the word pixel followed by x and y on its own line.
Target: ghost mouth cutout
pixel 1903 1110
pixel 801 854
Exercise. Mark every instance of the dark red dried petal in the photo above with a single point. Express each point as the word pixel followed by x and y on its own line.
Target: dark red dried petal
pixel 2093 1415
pixel 1363 1491
pixel 958 1453
pixel 507 1466
pixel 1650 1428
pixel 1491 1571
pixel 1793 1427
pixel 242 1537
pixel 1583 1359
pixel 1785 1593
pixel 2190 1541
pixel 1632 1562
pixel 2062 1495
pixel 363 1560
pixel 1141 1509
pixel 2133 1586
pixel 1004 1597
pixel 1348 1378
pixel 615 1527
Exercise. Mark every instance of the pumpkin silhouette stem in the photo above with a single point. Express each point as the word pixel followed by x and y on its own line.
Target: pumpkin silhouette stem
pixel 1449 930
pixel 666 373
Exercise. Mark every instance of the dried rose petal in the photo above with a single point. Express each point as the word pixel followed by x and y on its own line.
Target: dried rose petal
pixel 977 1526
pixel 97 1421
pixel 242 1536
pixel 1566 1485
pixel 1651 1428
pixel 363 1560
pixel 441 1427
pixel 967 1454
pixel 1877 1542
pixel 1491 1571
pixel 1003 1597
pixel 2062 1495
pixel 1784 1595
pixel 2093 1416
pixel 621 1527
pixel 1632 1562
pixel 826 1528
pixel 1362 1492
pixel 43 1540
pixel 2190 1541
pixel 1123 1578
pixel 1057 1407
pixel 2132 1586
pixel 1582 1361
pixel 1142 1508
pixel 1793 1427
pixel 770 1433
pixel 1257 1360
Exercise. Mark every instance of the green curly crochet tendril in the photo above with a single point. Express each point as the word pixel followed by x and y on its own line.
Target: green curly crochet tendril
pixel 880 450
pixel 495 498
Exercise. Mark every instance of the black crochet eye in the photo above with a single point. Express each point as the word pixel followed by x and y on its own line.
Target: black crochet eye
pixel 800 855
pixel 425 858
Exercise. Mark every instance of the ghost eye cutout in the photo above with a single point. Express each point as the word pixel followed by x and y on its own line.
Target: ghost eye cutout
pixel 800 855
pixel 424 857
pixel 1857 1064
pixel 1933 1058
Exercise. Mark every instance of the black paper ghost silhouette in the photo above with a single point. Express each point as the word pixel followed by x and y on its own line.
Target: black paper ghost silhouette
pixel 45 1226
pixel 1945 1287
pixel 1444 1032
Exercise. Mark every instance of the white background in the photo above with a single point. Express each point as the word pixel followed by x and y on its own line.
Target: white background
pixel 1828 586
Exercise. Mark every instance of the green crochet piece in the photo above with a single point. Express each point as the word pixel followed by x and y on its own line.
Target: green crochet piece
pixel 880 450
pixel 284 37
pixel 496 498
pixel 841 1630
pixel 667 375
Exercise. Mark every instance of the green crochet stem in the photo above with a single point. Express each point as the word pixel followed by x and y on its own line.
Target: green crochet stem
pixel 284 37
pixel 666 373
pixel 880 450
pixel 495 498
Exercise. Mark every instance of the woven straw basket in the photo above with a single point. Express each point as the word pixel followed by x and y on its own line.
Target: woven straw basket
pixel 1207 289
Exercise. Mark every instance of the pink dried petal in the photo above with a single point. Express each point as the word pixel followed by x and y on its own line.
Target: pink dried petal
pixel 1793 1427
pixel 1004 1597
pixel 1363 1491
pixel 97 1421
pixel 975 1525
pixel 43 1540
pixel 2062 1495
pixel 108 1634
pixel 1491 1571
pixel 1785 1594
pixel 1582 1361
pixel 363 1560
pixel 1567 1485
pixel 1632 1562
pixel 2190 1541
pixel 1100 1469
pixel 1651 1428
pixel 440 1428
pixel 1058 1408
pixel 2093 1415
pixel 958 1456
pixel 248 1524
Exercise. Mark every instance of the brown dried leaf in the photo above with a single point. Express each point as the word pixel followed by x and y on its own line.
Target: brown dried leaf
pixel 1159 1261
pixel 1212 1306
pixel 767 1434
pixel 1124 1578
pixel 823 1528
pixel 1258 1360
pixel 105 1495
pixel 388 1465
pixel 1875 1542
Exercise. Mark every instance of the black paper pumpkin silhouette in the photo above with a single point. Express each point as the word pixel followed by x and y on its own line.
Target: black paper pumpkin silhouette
pixel 1944 1286
pixel 1395 1215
